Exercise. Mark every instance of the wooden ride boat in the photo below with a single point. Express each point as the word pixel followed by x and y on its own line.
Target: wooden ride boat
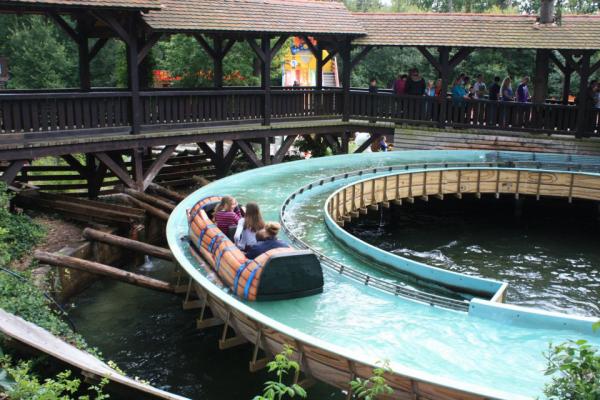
pixel 281 273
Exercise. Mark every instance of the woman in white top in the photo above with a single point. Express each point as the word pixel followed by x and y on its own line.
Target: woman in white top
pixel 245 234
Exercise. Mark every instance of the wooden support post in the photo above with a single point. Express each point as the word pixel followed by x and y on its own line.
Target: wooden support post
pixel 266 79
pixel 566 91
pixel 266 151
pixel 540 76
pixel 12 171
pixel 138 168
pixel 157 165
pixel 85 80
pixel 345 52
pixel 59 260
pixel 118 170
pixel 249 153
pixel 134 245
pixel 583 106
pixel 346 142
pixel 133 74
pixel 285 146
pixel 445 71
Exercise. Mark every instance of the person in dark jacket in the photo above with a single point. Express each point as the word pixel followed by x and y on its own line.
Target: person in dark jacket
pixel 373 86
pixel 415 85
pixel 266 240
pixel 494 92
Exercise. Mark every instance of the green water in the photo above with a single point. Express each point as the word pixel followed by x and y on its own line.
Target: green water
pixel 444 346
pixel 149 335
pixel 547 251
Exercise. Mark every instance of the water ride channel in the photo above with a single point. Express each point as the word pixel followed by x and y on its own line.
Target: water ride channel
pixel 444 334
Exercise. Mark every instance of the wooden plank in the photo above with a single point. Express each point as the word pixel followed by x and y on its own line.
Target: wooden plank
pixel 43 341
pixel 121 173
pixel 134 245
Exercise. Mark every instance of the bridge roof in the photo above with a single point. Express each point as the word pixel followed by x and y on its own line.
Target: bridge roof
pixel 577 32
pixel 107 4
pixel 269 16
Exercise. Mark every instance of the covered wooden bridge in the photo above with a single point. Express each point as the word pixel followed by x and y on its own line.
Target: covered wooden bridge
pixel 115 128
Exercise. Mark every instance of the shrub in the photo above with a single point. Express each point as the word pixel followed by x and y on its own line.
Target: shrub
pixel 575 370
pixel 282 365
pixel 372 388
pixel 20 383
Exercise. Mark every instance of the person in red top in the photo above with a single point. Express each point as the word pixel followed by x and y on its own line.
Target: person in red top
pixel 400 84
pixel 227 214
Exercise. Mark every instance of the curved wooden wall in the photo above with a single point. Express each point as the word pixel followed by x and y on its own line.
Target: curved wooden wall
pixel 354 199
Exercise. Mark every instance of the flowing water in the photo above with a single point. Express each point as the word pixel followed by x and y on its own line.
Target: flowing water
pixel 362 322
pixel 149 335
pixel 547 251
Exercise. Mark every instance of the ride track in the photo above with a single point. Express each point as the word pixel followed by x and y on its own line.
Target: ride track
pixel 369 312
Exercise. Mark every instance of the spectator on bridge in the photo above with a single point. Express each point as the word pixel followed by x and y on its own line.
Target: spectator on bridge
pixel 415 85
pixel 506 89
pixel 495 89
pixel 373 86
pixel 458 90
pixel 245 234
pixel 438 88
pixel 430 90
pixel 266 240
pixel 523 90
pixel 479 87
pixel 400 84
pixel 227 214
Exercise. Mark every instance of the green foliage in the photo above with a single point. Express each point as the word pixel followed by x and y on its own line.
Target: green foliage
pixel 281 365
pixel 20 383
pixel 575 370
pixel 372 388
pixel 18 233
pixel 39 57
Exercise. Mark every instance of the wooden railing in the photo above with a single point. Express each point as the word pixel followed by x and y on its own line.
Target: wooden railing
pixel 166 109
pixel 469 113
pixel 64 111
pixel 106 111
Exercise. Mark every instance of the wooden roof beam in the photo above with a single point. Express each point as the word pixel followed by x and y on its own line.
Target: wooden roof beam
pixel 460 56
pixel 150 42
pixel 64 25
pixel 429 57
pixel 97 47
pixel 562 67
pixel 114 25
pixel 360 56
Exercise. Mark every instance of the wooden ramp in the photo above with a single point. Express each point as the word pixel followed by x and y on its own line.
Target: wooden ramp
pixel 423 138
pixel 43 341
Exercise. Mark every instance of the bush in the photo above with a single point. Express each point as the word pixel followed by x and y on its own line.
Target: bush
pixel 20 383
pixel 575 367
pixel 18 233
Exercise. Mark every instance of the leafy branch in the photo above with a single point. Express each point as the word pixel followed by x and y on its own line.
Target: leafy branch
pixel 281 365
pixel 373 387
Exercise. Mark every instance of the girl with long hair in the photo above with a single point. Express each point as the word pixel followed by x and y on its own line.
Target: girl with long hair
pixel 506 90
pixel 227 214
pixel 245 234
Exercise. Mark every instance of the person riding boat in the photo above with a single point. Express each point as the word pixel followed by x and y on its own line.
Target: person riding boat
pixel 267 240
pixel 247 228
pixel 227 214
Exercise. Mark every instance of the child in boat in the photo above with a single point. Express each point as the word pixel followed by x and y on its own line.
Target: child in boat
pixel 267 240
pixel 227 214
pixel 245 234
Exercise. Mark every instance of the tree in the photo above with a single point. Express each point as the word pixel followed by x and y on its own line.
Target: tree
pixel 39 56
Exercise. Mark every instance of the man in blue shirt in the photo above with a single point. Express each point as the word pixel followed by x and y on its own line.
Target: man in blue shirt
pixel 267 240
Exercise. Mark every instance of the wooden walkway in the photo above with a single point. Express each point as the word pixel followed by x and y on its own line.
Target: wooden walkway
pixel 423 138
pixel 37 338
